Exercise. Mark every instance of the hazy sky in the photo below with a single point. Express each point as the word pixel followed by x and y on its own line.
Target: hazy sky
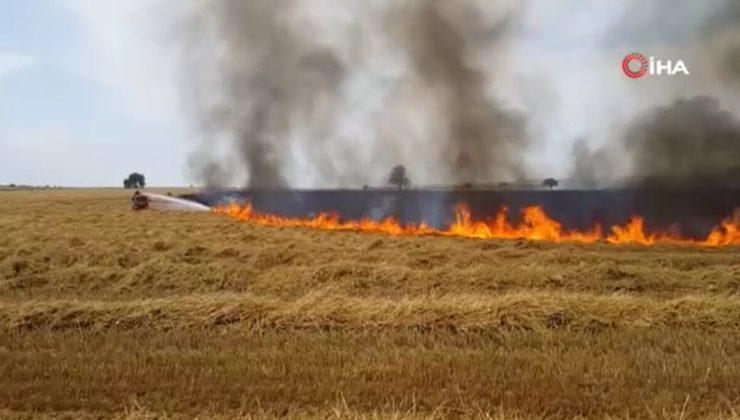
pixel 85 94
pixel 88 89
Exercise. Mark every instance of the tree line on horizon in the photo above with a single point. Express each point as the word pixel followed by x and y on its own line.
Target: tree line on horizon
pixel 398 178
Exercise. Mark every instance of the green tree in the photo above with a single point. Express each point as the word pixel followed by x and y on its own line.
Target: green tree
pixel 550 183
pixel 398 177
pixel 135 180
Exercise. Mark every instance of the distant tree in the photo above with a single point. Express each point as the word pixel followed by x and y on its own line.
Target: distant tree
pixel 398 177
pixel 139 180
pixel 550 183
pixel 134 180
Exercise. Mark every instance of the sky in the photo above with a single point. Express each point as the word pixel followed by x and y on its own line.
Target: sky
pixel 89 88
pixel 87 95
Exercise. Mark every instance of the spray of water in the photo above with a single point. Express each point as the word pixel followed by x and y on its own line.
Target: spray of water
pixel 177 204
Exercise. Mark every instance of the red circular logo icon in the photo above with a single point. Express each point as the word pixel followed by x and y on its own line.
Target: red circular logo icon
pixel 635 58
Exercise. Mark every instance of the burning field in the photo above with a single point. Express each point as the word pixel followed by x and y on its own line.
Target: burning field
pixel 111 313
pixel 536 226
pixel 445 209
pixel 678 216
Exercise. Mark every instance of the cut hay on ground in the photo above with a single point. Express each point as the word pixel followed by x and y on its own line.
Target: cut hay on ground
pixel 109 313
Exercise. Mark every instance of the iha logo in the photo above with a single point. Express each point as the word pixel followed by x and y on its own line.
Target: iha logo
pixel 635 65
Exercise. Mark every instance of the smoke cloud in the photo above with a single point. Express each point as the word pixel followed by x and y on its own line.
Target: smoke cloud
pixel 692 141
pixel 711 29
pixel 590 166
pixel 282 90
pixel 316 93
pixel 483 142
pixel 688 139
pixel 722 30
pixel 274 79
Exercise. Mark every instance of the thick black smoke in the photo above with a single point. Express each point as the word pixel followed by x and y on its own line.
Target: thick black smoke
pixel 274 81
pixel 590 167
pixel 280 92
pixel 694 141
pixel 444 40
pixel 277 95
pixel 687 143
pixel 690 142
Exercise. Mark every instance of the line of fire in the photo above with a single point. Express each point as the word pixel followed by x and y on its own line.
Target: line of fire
pixel 689 216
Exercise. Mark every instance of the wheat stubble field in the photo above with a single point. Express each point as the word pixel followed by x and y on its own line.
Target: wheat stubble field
pixel 107 313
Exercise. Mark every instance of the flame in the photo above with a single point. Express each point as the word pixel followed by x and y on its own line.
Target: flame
pixel 536 225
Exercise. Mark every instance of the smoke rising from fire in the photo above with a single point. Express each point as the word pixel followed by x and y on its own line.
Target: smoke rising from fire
pixel 692 141
pixel 281 91
pixel 689 142
pixel 724 32
pixel 690 137
pixel 483 141
pixel 274 77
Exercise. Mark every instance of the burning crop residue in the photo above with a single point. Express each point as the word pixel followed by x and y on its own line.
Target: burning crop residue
pixel 536 225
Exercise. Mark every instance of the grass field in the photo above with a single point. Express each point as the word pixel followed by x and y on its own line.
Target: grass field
pixel 109 313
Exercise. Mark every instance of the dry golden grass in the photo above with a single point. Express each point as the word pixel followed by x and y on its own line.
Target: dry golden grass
pixel 109 313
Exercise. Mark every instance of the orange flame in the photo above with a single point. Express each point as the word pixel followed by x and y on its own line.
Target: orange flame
pixel 536 225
